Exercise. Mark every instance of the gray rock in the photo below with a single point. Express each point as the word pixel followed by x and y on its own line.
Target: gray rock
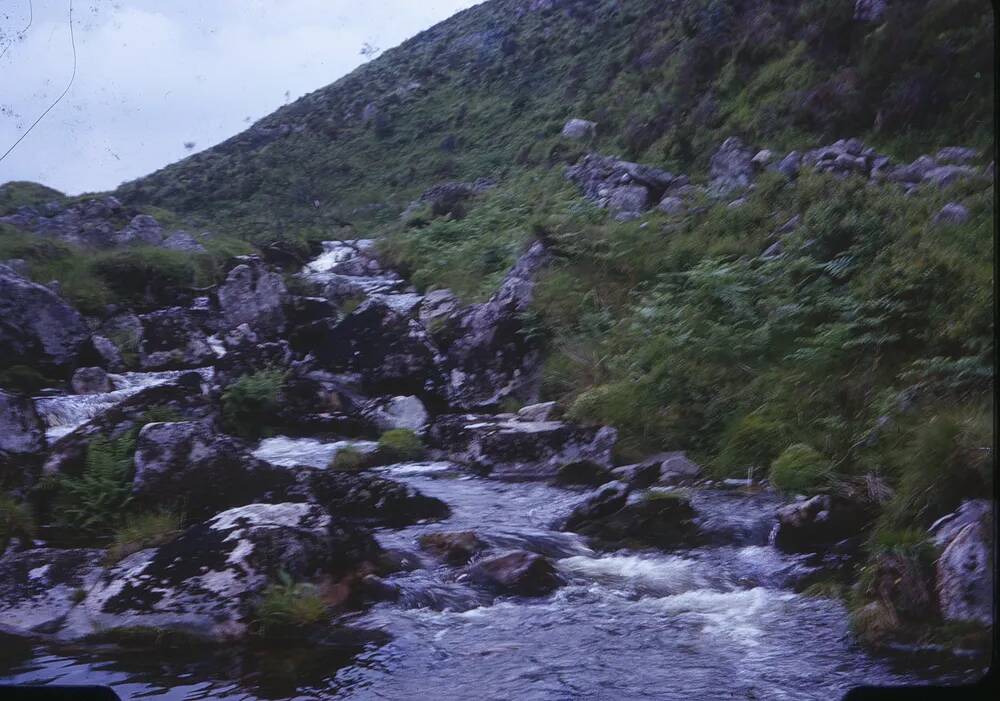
pixel 519 572
pixel 956 155
pixel 437 306
pixel 964 580
pixel 143 229
pixel 913 172
pixel 775 250
pixel 599 177
pixel 207 581
pixel 628 199
pixel 672 205
pixel 37 328
pixel 182 241
pixel 579 129
pixel 397 412
pixel 39 588
pixel 21 431
pixel 253 295
pixel 110 355
pixel 676 465
pixel 762 159
pixel 952 214
pixel 731 168
pixel 818 523
pixel 790 165
pixel 91 381
pixel 174 462
pixel 172 339
pixel 944 176
pixel 537 412
pixel 506 447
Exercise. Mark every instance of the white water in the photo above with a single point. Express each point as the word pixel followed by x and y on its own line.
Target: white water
pixel 65 413
pixel 289 452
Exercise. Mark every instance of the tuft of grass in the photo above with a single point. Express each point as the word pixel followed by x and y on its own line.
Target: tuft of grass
pixel 801 469
pixel 350 459
pixel 287 605
pixel 400 445
pixel 144 531
pixel 251 403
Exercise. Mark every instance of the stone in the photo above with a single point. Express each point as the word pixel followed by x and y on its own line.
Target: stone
pixel 599 176
pixel 956 155
pixel 172 339
pixel 397 412
pixel 455 548
pixel 775 250
pixel 108 353
pixel 21 431
pixel 819 523
pixel 511 448
pixel 546 411
pixel 659 519
pixel 964 570
pixel 37 328
pixel 604 501
pixel 672 205
pixel 762 159
pixel 519 572
pixel 367 499
pixel 913 172
pixel 39 587
pixel 91 381
pixel 731 168
pixel 174 462
pixel 579 129
pixel 638 476
pixel 583 472
pixel 943 176
pixel 182 241
pixel 952 214
pixel 790 165
pixel 436 307
pixel 253 295
pixel 207 581
pixel 143 229
pixel 628 199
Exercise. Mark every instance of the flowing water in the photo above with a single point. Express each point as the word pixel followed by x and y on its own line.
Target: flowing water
pixel 715 621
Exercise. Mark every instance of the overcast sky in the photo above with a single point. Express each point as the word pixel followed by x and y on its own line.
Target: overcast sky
pixel 156 75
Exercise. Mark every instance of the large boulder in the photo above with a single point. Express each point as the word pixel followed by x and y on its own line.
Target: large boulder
pixel 208 580
pixel 819 523
pixel 142 229
pixel 487 354
pixel 522 449
pixel 21 431
pixel 91 381
pixel 964 572
pixel 366 499
pixel 37 328
pixel 454 548
pixel 731 168
pixel 38 588
pixel 579 129
pixel 175 462
pixel 622 186
pixel 173 339
pixel 253 295
pixel 519 572
pixel 390 413
pixel 660 519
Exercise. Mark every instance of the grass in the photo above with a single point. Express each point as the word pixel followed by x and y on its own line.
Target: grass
pixel 350 459
pixel 800 469
pixel 144 531
pixel 16 521
pixel 287 605
pixel 400 445
pixel 250 404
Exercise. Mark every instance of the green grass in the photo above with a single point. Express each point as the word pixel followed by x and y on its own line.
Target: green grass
pixel 287 606
pixel 144 531
pixel 250 404
pixel 350 460
pixel 400 445
pixel 800 469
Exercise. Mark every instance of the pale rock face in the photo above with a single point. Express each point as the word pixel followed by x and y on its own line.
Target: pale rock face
pixel 21 431
pixel 253 295
pixel 965 568
pixel 398 412
pixel 731 168
pixel 579 129
pixel 37 587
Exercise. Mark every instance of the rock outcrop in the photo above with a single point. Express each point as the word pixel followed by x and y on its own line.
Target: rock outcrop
pixel 173 339
pixel 253 295
pixel 521 573
pixel 964 571
pixel 38 587
pixel 21 431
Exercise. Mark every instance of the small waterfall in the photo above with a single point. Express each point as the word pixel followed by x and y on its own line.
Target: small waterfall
pixel 65 413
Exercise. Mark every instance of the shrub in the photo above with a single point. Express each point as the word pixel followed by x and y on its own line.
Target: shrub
pixel 752 441
pixel 801 469
pixel 16 521
pixel 144 531
pixel 94 503
pixel 249 404
pixel 349 459
pixel 289 605
pixel 146 275
pixel 400 445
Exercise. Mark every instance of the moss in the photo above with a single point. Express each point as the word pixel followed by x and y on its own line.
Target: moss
pixel 400 445
pixel 801 469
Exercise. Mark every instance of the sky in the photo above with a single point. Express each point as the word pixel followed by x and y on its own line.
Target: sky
pixel 157 80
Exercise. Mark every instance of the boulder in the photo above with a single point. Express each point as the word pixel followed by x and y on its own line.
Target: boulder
pixel 956 155
pixel 174 462
pixel 819 523
pixel 964 570
pixel 39 587
pixel 172 339
pixel 672 205
pixel 943 176
pixel 952 214
pixel 583 472
pixel 487 354
pixel 143 229
pixel 628 200
pixel 182 241
pixel 608 499
pixel 455 548
pixel 731 168
pixel 367 499
pixel 91 381
pixel 510 448
pixel 207 581
pixel 602 178
pixel 436 307
pixel 253 295
pixel 579 129
pixel 762 159
pixel 37 328
pixel 520 573
pixel 790 165
pixel 675 466
pixel 21 431
pixel 545 411
pixel 913 172
pixel 110 356
pixel 660 519
pixel 397 412
pixel 638 476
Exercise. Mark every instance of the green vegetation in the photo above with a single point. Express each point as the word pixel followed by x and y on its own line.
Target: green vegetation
pixel 144 531
pixel 17 194
pixel 24 379
pixel 350 460
pixel 288 605
pixel 800 469
pixel 16 521
pixel 95 502
pixel 400 445
pixel 250 404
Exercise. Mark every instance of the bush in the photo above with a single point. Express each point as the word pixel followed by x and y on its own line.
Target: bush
pixel 95 502
pixel 144 531
pixel 801 469
pixel 249 404
pixel 400 445
pixel 144 275
pixel 752 441
pixel 350 460
pixel 16 521
pixel 289 605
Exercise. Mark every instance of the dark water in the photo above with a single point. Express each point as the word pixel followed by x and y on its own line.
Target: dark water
pixel 714 622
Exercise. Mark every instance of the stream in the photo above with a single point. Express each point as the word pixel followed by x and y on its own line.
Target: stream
pixel 716 621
